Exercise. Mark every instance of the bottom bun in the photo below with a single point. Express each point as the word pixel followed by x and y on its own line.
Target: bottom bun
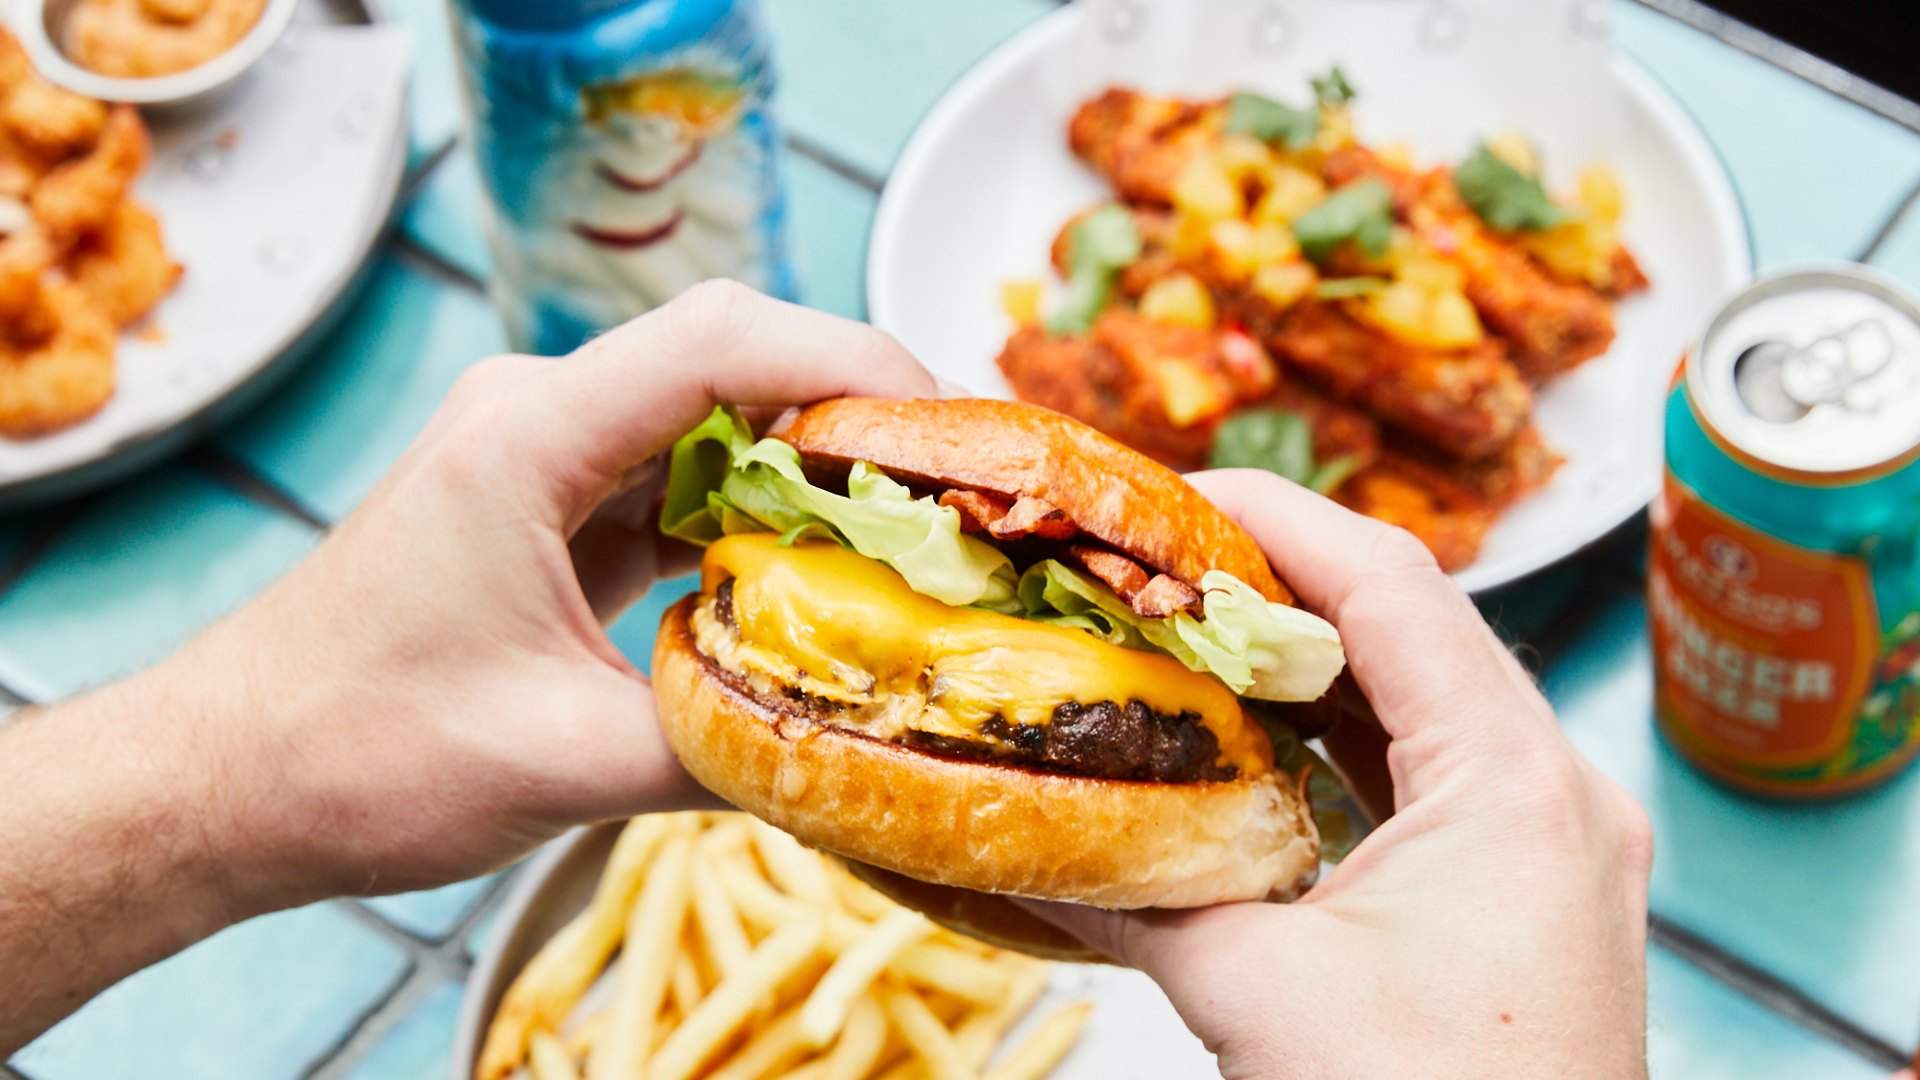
pixel 996 920
pixel 978 825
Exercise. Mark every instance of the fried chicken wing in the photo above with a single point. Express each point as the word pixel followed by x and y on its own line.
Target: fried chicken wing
pixel 1140 142
pixel 1469 402
pixel 1128 378
pixel 1552 325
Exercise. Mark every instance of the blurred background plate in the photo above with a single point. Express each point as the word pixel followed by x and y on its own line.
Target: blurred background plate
pixel 987 179
pixel 271 196
pixel 1133 1034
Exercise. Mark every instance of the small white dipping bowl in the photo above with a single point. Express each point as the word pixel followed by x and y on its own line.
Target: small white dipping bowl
pixel 38 23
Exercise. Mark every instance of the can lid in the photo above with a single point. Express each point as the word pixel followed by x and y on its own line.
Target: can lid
pixel 1814 371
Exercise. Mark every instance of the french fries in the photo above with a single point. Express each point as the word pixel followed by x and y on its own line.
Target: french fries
pixel 741 955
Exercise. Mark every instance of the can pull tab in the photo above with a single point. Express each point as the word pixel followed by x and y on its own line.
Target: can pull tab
pixel 1842 368
pixel 1781 383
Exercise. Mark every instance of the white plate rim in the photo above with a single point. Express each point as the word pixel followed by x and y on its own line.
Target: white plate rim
pixel 1698 150
pixel 75 477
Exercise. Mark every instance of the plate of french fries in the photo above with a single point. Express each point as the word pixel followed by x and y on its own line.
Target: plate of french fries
pixel 711 946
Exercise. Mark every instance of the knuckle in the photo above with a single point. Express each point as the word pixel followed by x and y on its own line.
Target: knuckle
pixel 709 311
pixel 1395 551
pixel 1635 835
pixel 487 380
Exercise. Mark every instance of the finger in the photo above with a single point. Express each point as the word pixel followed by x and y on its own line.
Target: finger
pixel 1183 951
pixel 616 758
pixel 629 393
pixel 1417 646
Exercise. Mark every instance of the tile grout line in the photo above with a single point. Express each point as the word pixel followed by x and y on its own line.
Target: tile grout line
pixel 434 962
pixel 430 262
pixel 394 991
pixel 1891 225
pixel 834 163
pixel 244 480
pixel 1771 992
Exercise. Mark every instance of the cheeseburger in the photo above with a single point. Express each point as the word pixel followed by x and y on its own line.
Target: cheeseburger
pixel 978 644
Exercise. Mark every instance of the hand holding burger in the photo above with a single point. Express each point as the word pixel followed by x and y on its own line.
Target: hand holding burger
pixel 431 694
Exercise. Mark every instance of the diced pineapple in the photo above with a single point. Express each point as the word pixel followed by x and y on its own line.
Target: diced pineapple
pixel 1599 193
pixel 1204 190
pixel 1395 155
pixel 1180 300
pixel 1243 158
pixel 1336 129
pixel 1583 248
pixel 1437 320
pixel 1188 394
pixel 1421 268
pixel 1452 323
pixel 1240 249
pixel 1191 234
pixel 1516 150
pixel 1020 299
pixel 1291 191
pixel 1285 284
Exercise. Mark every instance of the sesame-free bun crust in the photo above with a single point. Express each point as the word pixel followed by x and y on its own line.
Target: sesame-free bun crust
pixel 979 825
pixel 1009 448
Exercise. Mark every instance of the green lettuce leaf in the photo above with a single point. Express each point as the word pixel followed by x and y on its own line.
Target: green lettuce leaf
pixel 1259 649
pixel 720 481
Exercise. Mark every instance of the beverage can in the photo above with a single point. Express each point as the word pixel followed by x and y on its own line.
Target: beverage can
pixel 1783 586
pixel 627 149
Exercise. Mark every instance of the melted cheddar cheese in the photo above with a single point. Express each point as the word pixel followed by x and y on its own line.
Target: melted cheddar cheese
pixel 842 627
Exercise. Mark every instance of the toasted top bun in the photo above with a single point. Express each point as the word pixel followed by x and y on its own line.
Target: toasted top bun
pixel 982 825
pixel 1007 448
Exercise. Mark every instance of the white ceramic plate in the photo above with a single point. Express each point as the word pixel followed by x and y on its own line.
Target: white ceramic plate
pixel 272 197
pixel 987 179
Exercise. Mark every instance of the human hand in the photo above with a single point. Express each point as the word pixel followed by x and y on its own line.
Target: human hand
pixel 430 694
pixel 1494 926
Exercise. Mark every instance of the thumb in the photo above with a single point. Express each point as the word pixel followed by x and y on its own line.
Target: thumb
pixel 1189 953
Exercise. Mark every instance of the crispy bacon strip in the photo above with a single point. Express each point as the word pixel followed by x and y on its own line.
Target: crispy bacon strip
pixel 978 510
pixel 1034 517
pixel 1153 597
pixel 1164 596
pixel 1121 574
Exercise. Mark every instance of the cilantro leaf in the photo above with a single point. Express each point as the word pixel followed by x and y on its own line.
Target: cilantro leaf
pixel 1098 248
pixel 1347 288
pixel 1361 212
pixel 1333 87
pixel 1272 121
pixel 1504 197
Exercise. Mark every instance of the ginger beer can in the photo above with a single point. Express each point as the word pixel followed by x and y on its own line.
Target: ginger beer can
pixel 1783 587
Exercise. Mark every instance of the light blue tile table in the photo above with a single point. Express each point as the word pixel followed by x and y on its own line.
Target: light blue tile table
pixel 1786 939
